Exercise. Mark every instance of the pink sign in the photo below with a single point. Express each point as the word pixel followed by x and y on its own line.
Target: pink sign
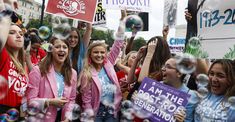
pixel 75 9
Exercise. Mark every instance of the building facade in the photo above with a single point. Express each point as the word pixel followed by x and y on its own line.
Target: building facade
pixel 29 9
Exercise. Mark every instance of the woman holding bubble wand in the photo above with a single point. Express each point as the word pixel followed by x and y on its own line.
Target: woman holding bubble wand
pixel 53 83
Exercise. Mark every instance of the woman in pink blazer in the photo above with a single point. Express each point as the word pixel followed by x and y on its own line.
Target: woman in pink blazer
pixel 100 88
pixel 53 83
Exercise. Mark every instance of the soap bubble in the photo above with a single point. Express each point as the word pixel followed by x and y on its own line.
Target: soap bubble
pixel 202 80
pixel 61 31
pixel 185 63
pixel 194 43
pixel 44 32
pixel 33 107
pixel 13 115
pixel 231 101
pixel 47 46
pixel 133 23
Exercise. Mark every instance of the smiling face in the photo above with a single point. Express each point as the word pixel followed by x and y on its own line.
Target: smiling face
pixel 60 51
pixel 73 39
pixel 218 80
pixel 169 72
pixel 15 38
pixel 98 54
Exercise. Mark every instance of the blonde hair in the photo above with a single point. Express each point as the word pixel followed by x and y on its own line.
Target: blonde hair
pixel 86 71
pixel 125 60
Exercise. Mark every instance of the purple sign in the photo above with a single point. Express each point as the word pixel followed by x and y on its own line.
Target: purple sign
pixel 160 100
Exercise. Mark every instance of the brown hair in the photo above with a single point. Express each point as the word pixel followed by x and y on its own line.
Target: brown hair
pixel 160 56
pixel 46 63
pixel 75 51
pixel 228 67
pixel 20 64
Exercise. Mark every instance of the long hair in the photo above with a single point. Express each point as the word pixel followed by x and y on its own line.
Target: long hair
pixel 228 67
pixel 160 56
pixel 125 61
pixel 86 71
pixel 20 64
pixel 75 51
pixel 46 64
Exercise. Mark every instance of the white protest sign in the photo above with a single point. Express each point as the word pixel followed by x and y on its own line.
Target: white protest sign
pixel 132 5
pixel 100 15
pixel 170 12
pixel 216 27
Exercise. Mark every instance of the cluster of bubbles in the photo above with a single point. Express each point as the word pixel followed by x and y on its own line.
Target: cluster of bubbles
pixel 87 116
pixel 34 112
pixel 185 63
pixel 130 110
pixel 133 23
pixel 60 28
pixel 231 101
pixel 3 87
pixel 75 113
pixel 11 115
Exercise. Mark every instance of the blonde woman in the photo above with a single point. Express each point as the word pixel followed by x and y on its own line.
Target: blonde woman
pixel 99 83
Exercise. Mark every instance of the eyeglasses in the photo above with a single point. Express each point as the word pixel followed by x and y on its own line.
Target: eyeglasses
pixel 167 66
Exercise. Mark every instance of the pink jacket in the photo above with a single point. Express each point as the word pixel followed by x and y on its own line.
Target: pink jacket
pixel 40 88
pixel 91 93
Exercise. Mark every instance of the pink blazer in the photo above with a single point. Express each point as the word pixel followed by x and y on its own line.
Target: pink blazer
pixel 40 88
pixel 91 93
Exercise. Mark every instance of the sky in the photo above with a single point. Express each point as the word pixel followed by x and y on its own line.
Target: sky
pixel 155 18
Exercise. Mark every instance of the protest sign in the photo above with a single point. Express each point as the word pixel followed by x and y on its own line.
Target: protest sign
pixel 100 15
pixel 162 100
pixel 170 11
pixel 176 45
pixel 132 5
pixel 83 10
pixel 216 23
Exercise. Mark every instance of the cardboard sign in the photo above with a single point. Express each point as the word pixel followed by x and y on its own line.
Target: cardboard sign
pixel 83 10
pixel 132 5
pixel 165 100
pixel 216 23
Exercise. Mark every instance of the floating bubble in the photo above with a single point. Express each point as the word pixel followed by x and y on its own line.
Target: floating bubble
pixel 126 104
pixel 47 46
pixel 40 116
pixel 3 87
pixel 3 117
pixel 87 115
pixel 128 114
pixel 133 23
pixel 111 109
pixel 75 113
pixel 140 112
pixel 202 91
pixel 231 101
pixel 33 108
pixel 185 63
pixel 31 119
pixel 58 19
pixel 202 80
pixel 44 32
pixel 194 43
pixel 61 31
pixel 13 115
pixel 146 120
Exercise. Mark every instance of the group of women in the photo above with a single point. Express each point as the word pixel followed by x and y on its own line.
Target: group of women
pixel 78 68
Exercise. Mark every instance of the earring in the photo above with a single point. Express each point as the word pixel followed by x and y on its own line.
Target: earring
pixel 105 60
pixel 89 60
